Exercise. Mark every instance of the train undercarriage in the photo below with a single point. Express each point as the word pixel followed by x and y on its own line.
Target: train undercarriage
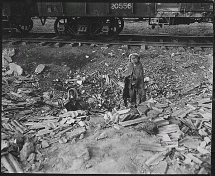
pixel 21 23
pixel 106 28
pixel 92 27
pixel 178 20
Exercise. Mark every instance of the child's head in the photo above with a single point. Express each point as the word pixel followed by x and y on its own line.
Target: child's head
pixel 134 58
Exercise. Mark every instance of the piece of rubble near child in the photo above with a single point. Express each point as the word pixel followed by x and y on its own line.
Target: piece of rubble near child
pixel 102 136
pixel 39 68
pixel 8 160
pixel 27 149
pixel 6 56
pixel 63 140
pixel 44 144
pixel 14 68
pixel 11 164
pixel 75 133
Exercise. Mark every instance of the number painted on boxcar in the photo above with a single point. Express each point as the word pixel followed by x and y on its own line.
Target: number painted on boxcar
pixel 114 6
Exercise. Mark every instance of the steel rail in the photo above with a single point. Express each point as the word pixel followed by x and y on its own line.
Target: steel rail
pixel 124 35
pixel 133 43
pixel 124 39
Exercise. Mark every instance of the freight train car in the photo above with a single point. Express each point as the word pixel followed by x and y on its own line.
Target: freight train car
pixel 182 13
pixel 100 18
pixel 93 18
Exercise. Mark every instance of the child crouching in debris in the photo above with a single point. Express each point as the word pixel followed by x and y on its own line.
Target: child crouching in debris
pixel 134 81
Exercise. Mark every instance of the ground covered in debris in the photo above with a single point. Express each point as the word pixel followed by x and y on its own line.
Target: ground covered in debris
pixel 62 110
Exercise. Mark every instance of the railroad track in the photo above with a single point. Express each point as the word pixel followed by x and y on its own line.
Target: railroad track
pixel 51 39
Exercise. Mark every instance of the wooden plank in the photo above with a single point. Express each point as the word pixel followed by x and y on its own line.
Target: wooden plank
pixel 162 123
pixel 205 100
pixel 209 106
pixel 158 119
pixel 120 112
pixel 21 126
pixel 206 116
pixel 44 118
pixel 5 125
pixel 37 126
pixel 157 109
pixel 168 128
pixel 155 159
pixel 11 127
pixel 193 116
pixel 125 117
pixel 185 113
pixel 175 143
pixel 64 131
pixel 152 147
pixel 132 122
pixel 177 112
pixel 43 132
pixel 7 165
pixel 32 123
pixel 159 105
pixel 15 163
pixel 196 160
pixel 17 127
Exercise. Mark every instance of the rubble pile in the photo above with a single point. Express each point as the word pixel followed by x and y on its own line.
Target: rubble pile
pixel 178 111
pixel 176 73
pixel 184 133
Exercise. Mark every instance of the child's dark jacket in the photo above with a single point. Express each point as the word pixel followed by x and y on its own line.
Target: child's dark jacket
pixel 134 79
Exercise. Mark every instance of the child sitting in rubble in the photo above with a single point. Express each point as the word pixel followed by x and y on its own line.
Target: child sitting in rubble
pixel 134 82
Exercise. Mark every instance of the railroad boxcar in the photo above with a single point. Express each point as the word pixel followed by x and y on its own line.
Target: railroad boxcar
pixel 182 13
pixel 96 18
pixel 93 18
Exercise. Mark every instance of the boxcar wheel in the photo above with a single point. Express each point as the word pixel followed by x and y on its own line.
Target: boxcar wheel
pixel 65 27
pixel 25 26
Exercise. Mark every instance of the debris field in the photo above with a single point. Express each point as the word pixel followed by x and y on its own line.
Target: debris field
pixel 62 110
